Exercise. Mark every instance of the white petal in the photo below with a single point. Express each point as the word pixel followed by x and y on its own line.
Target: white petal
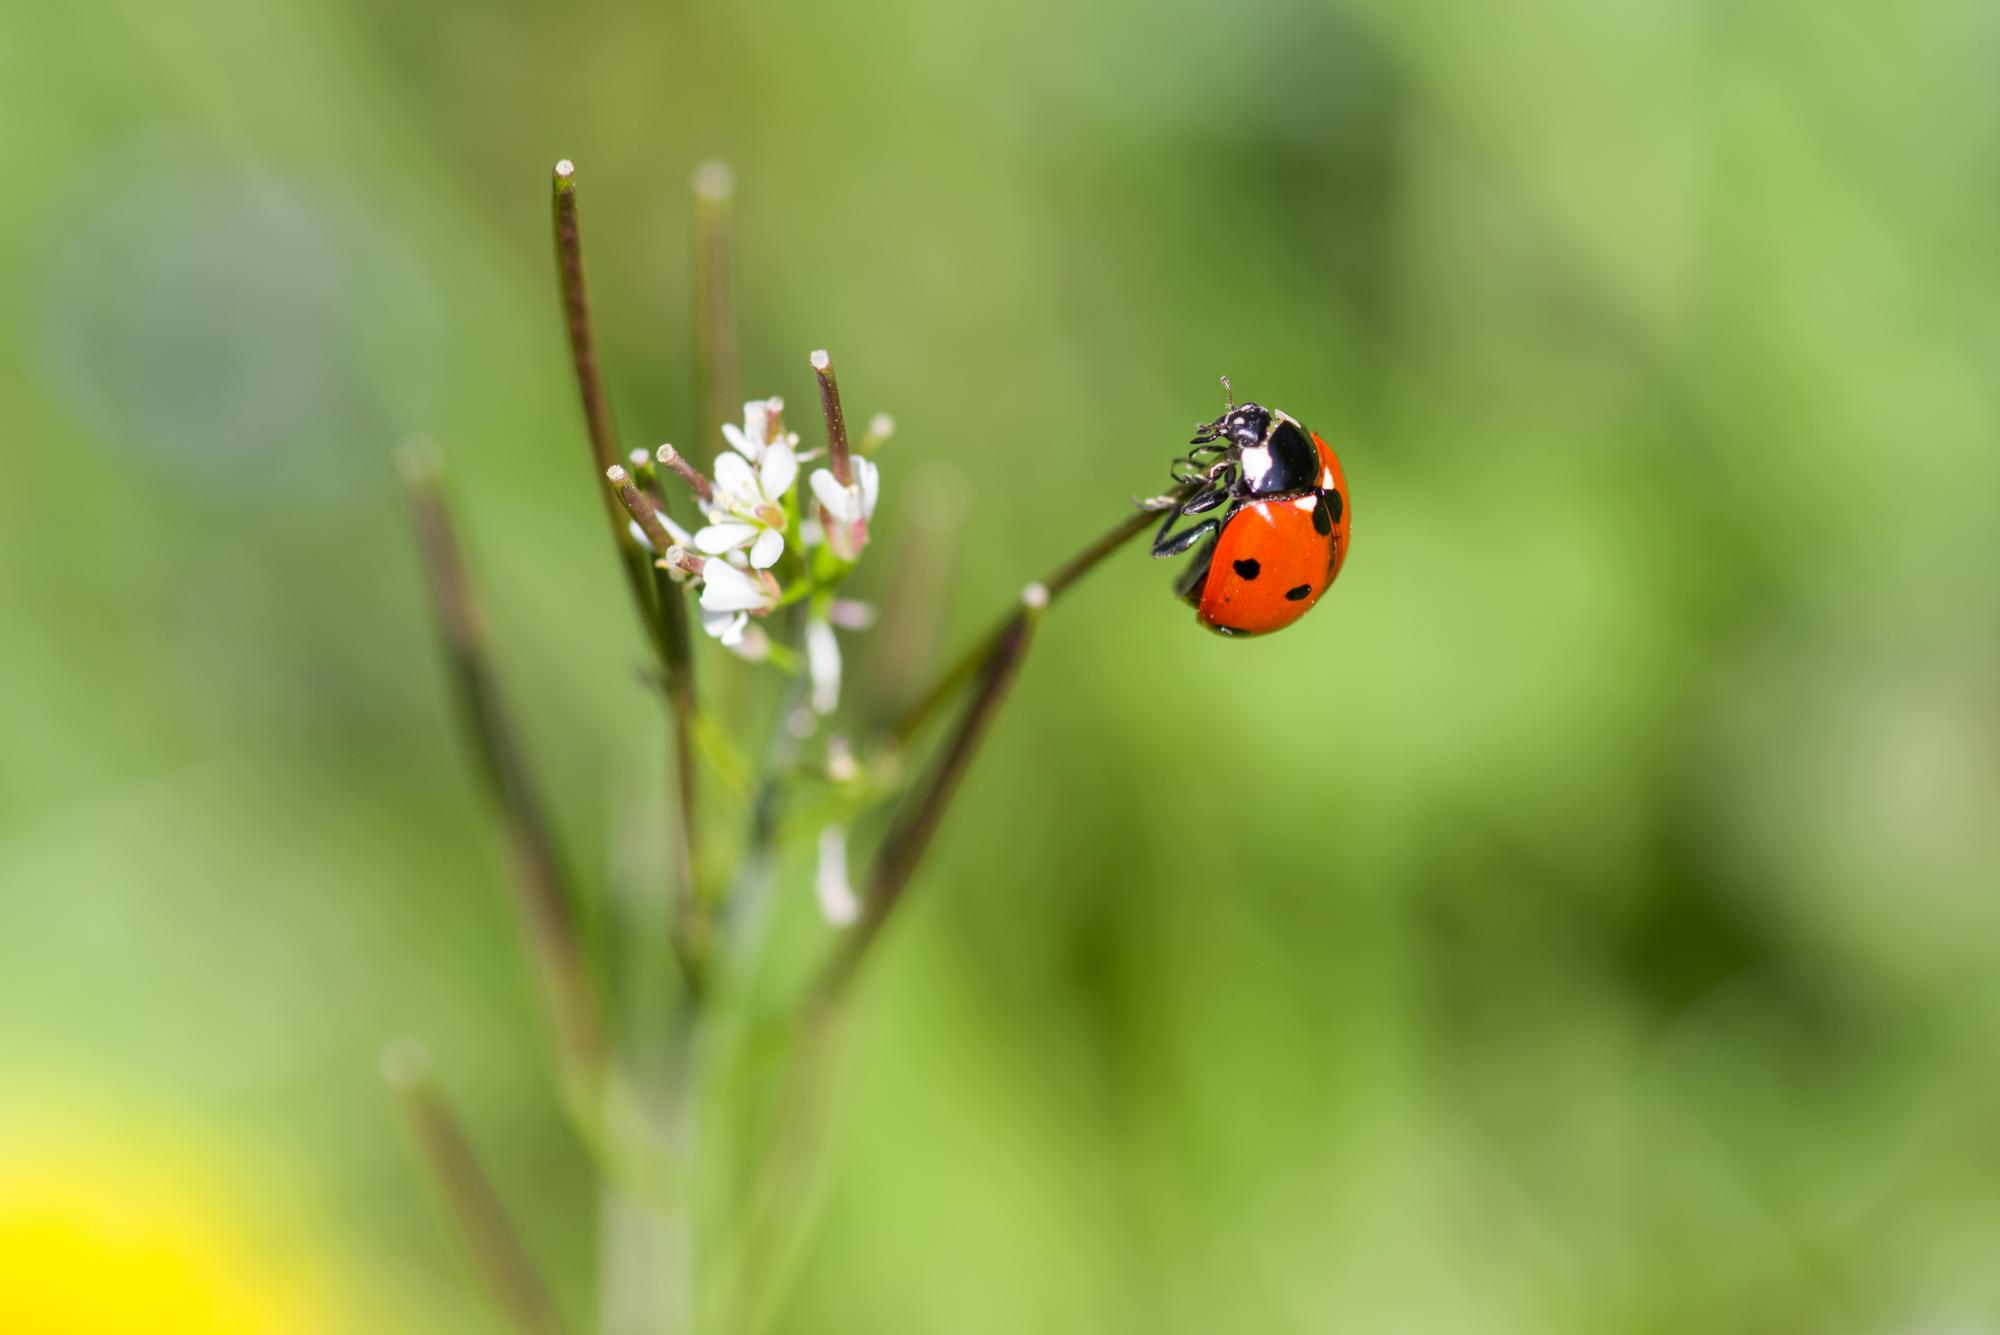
pixel 810 533
pixel 778 471
pixel 870 478
pixel 770 545
pixel 724 626
pixel 737 440
pixel 823 666
pixel 724 588
pixel 734 475
pixel 675 531
pixel 831 494
pixel 716 539
pixel 836 895
pixel 639 534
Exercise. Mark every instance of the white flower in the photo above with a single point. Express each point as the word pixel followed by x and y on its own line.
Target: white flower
pixel 823 666
pixel 728 597
pixel 848 508
pixel 738 634
pixel 854 503
pixel 724 588
pixel 752 438
pixel 836 895
pixel 748 509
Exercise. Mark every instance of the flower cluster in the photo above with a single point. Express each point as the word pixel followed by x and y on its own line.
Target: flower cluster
pixel 766 544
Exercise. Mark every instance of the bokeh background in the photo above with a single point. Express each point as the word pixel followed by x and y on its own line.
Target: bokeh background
pixel 1585 921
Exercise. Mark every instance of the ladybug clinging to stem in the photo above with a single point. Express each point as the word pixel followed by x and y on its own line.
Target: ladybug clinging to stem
pixel 1283 537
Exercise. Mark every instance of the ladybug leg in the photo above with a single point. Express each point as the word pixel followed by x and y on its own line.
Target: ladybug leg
pixel 1203 502
pixel 1173 544
pixel 1188 587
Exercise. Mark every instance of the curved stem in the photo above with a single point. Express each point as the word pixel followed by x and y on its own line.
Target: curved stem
pixel 918 714
pixel 468 1192
pixel 542 891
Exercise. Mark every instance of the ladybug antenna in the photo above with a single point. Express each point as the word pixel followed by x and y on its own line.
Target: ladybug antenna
pixel 1207 431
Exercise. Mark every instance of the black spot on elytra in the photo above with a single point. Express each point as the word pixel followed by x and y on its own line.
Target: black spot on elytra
pixel 1335 505
pixel 1298 592
pixel 1248 567
pixel 1322 517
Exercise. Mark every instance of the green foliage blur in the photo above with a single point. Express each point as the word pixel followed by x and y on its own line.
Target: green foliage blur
pixel 1584 921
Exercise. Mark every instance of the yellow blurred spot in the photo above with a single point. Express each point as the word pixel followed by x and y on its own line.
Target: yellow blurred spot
pixel 98 1235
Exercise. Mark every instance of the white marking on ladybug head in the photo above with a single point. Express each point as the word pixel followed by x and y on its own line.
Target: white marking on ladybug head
pixel 1306 502
pixel 1256 463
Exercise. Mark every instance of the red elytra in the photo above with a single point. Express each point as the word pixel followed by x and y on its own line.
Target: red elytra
pixel 1284 535
pixel 1271 563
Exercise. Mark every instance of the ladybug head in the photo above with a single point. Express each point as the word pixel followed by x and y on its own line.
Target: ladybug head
pixel 1242 425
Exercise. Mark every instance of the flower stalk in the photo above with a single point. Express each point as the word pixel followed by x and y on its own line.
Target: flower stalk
pixel 468 1192
pixel 766 563
pixel 542 895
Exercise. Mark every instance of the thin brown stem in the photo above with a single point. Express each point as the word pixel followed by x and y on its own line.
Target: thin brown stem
pixel 468 1192
pixel 910 836
pixel 838 453
pixel 676 463
pixel 602 429
pixel 994 662
pixel 692 927
pixel 714 302
pixel 640 506
pixel 1059 582
pixel 541 893
pixel 677 657
pixel 599 424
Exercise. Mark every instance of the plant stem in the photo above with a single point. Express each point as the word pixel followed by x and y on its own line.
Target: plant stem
pixel 692 934
pixel 910 836
pixel 993 663
pixel 475 1206
pixel 838 453
pixel 542 896
pixel 914 718
pixel 597 418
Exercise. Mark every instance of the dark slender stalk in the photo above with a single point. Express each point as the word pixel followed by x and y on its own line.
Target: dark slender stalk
pixel 541 893
pixel 757 1258
pixel 714 303
pixel 838 453
pixel 676 463
pixel 910 836
pixel 599 424
pixel 640 506
pixel 468 1192
pixel 693 929
pixel 677 657
pixel 602 429
pixel 1055 586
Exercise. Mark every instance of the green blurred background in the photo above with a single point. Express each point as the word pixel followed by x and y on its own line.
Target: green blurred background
pixel 1585 921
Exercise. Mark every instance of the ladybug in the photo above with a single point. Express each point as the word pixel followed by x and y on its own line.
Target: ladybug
pixel 1283 538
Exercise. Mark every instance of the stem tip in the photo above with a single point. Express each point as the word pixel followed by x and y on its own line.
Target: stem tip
pixel 405 1063
pixel 714 181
